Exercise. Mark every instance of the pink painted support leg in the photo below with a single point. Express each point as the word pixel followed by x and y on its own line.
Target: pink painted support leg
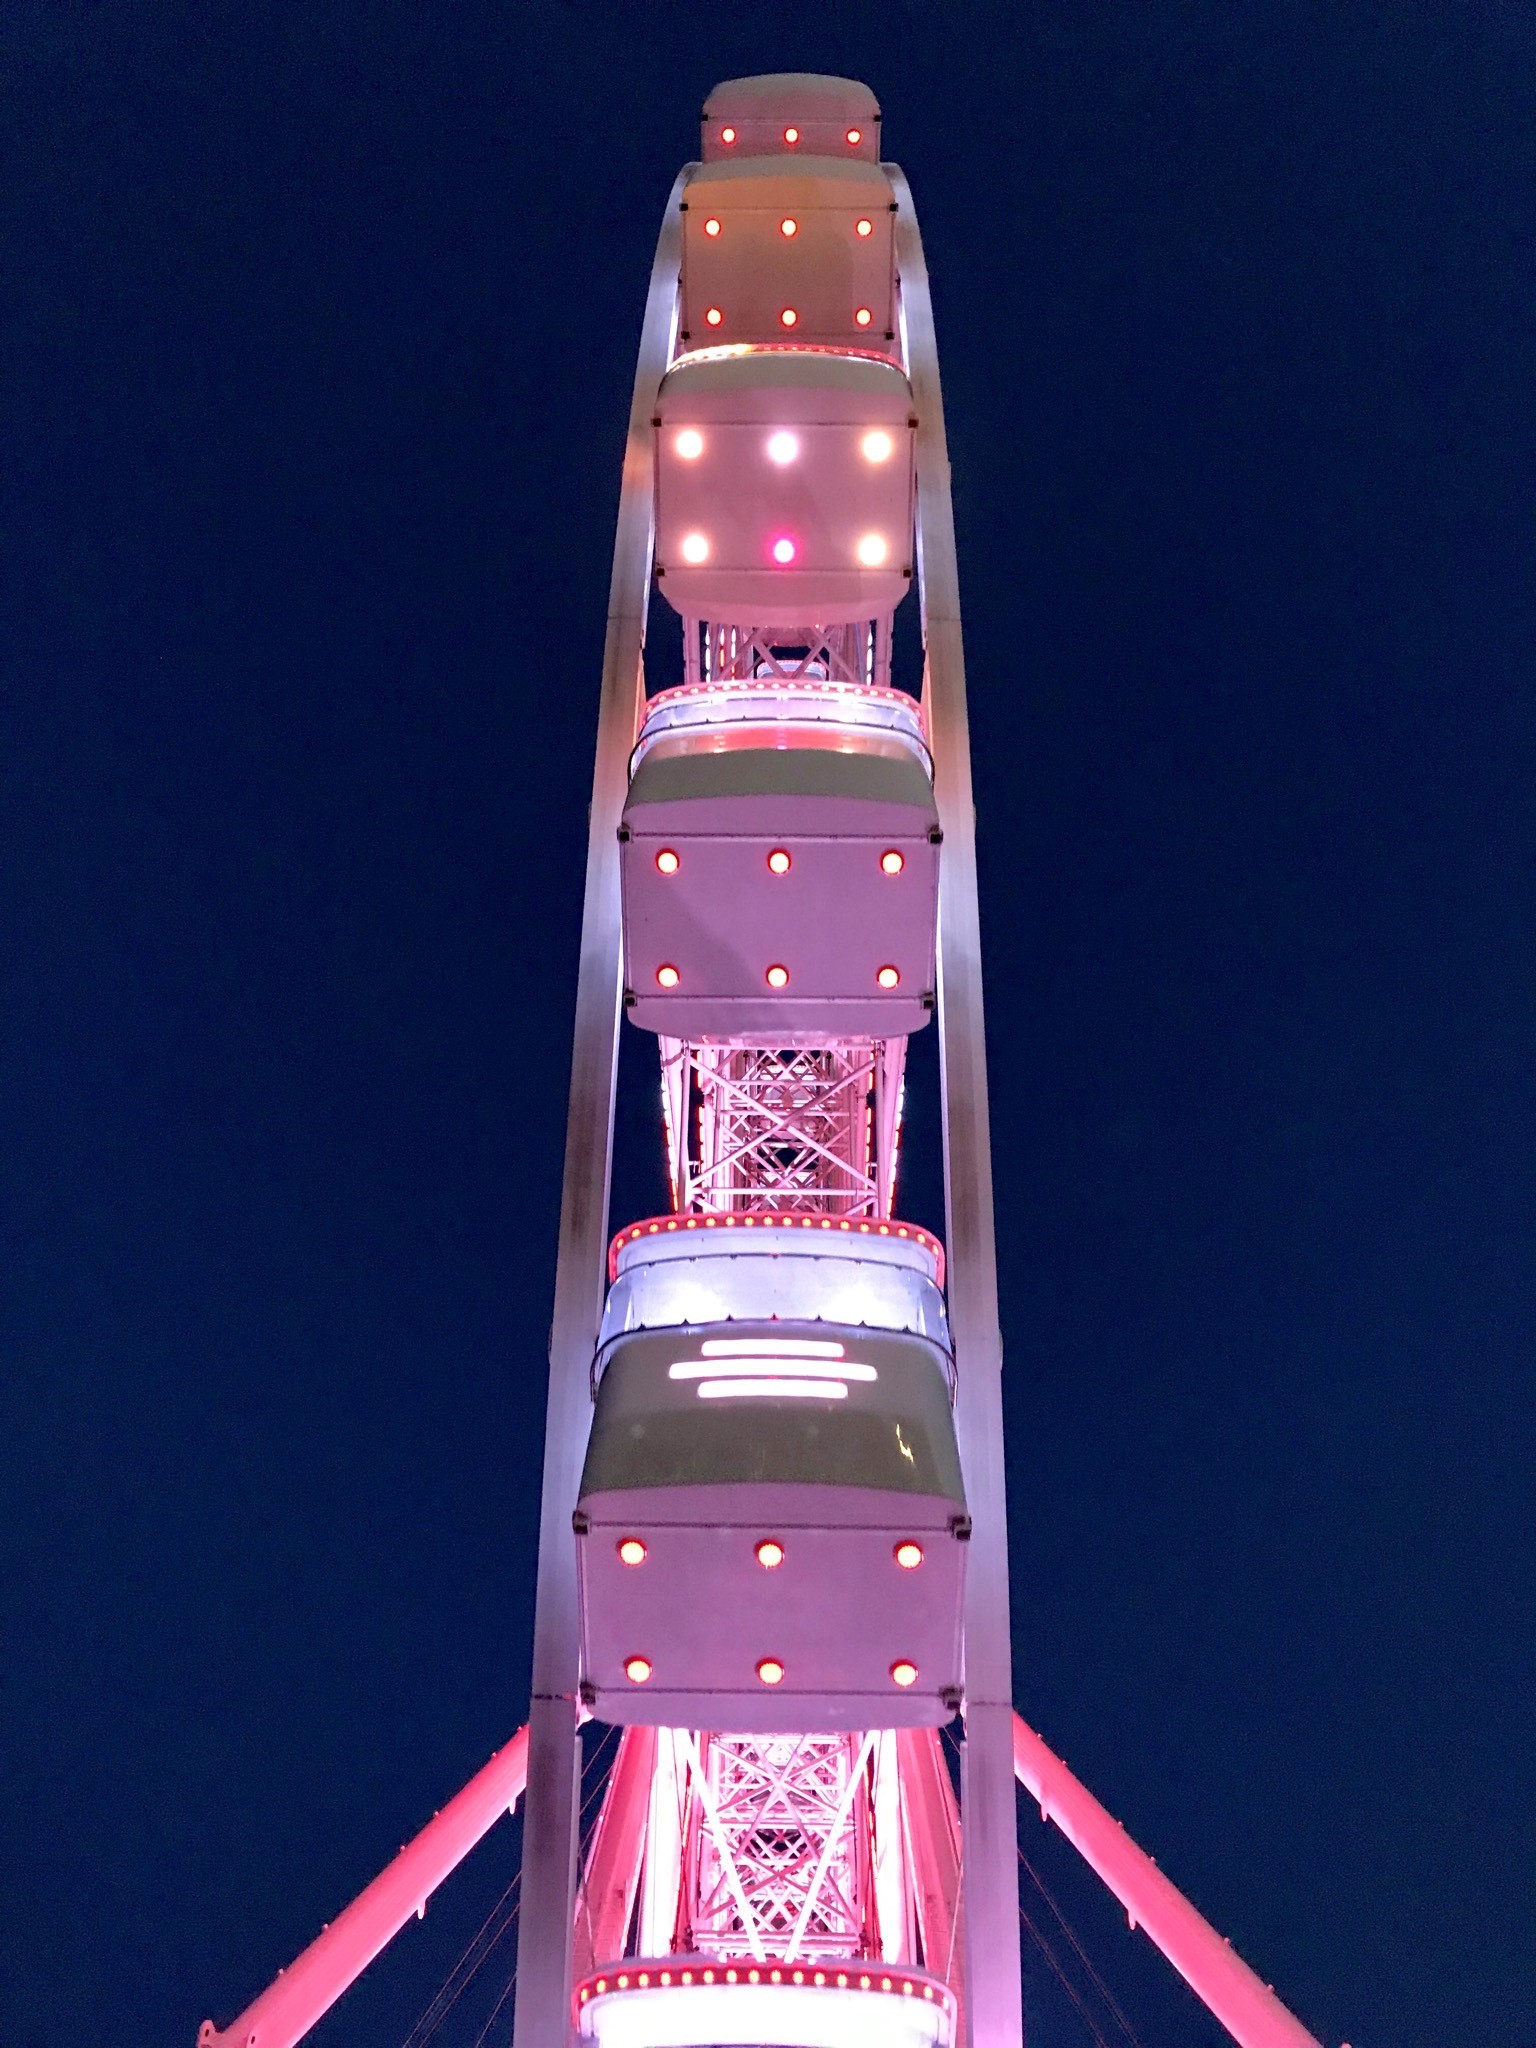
pixel 337 1957
pixel 1212 1969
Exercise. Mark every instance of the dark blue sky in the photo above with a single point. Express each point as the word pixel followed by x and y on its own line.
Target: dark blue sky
pixel 320 324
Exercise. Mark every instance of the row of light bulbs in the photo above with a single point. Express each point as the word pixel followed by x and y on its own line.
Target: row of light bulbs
pixel 789 227
pixel 633 1551
pixel 788 317
pixel 852 136
pixel 870 552
pixel 669 860
pixel 777 976
pixel 782 447
pixel 770 1671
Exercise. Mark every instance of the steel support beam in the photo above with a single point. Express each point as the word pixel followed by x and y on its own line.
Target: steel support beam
pixel 304 1993
pixel 990 1870
pixel 1207 1962
pixel 605 1898
pixel 549 1834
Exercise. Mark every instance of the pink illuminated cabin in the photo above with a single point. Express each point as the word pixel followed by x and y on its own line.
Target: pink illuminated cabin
pixel 772 1526
pixel 784 485
pixel 779 856
pixel 789 251
pixel 789 113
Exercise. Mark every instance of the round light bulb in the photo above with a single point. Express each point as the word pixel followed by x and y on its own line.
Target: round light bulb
pixel 778 862
pixel 783 551
pixel 872 550
pixel 888 977
pixel 890 863
pixel 631 1551
pixel 791 136
pixel 637 1669
pixel 668 863
pixel 711 226
pixel 689 444
pixel 696 548
pixel 667 977
pixel 903 1672
pixel 714 316
pixel 789 227
pixel 770 1555
pixel 854 138
pixel 864 229
pixel 771 1671
pixel 863 317
pixel 727 134
pixel 778 977
pixel 788 317
pixel 909 1556
pixel 877 445
pixel 783 447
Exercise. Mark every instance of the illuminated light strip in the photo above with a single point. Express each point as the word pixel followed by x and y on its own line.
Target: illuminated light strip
pixel 888 1983
pixel 786 1219
pixel 755 1364
pixel 777 1347
pixel 808 1390
pixel 725 351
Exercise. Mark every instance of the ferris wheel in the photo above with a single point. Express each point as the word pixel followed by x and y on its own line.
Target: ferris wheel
pixel 773 1545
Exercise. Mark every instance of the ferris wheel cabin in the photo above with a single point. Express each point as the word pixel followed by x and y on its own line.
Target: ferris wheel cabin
pixel 772 1525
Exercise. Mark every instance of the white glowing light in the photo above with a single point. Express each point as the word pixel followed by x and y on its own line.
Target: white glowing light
pixel 784 551
pixel 763 1365
pixel 801 1278
pixel 872 550
pixel 783 447
pixel 695 548
pixel 733 1390
pixel 877 446
pixel 690 444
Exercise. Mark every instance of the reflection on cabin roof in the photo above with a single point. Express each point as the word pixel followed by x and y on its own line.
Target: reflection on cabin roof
pixel 678 1271
pixel 783 699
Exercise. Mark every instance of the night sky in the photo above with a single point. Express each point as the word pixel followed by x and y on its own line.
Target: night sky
pixel 320 324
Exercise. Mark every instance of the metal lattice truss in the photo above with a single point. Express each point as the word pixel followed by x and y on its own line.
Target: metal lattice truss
pixel 859 653
pixel 805 1128
pixel 779 1846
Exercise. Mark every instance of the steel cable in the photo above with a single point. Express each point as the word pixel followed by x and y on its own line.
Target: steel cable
pixel 1083 1957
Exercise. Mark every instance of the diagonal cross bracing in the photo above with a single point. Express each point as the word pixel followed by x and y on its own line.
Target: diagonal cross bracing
pixel 782 1827
pixel 790 1128
pixel 857 654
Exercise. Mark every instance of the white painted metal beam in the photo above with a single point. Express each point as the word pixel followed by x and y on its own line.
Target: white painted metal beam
pixel 992 1995
pixel 549 1832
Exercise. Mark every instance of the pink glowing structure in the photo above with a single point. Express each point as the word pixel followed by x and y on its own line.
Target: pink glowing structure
pixel 773 1546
